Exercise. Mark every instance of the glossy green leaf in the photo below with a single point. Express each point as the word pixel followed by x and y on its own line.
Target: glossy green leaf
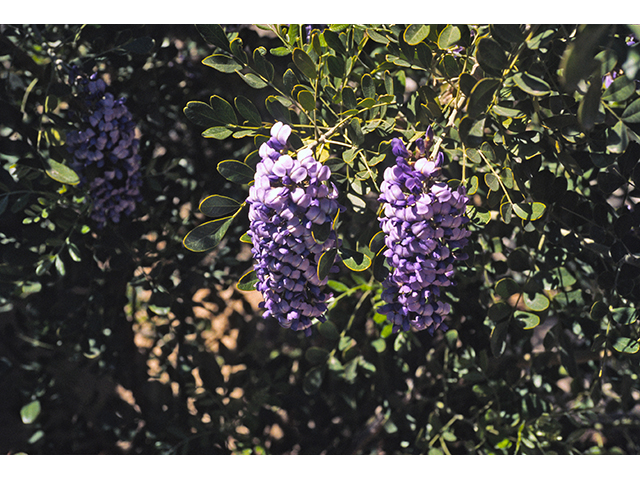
pixel 491 55
pixel 30 412
pixel 478 215
pixel 527 320
pixel 218 205
pixel 248 111
pixel 222 63
pixel 621 89
pixel 449 36
pixel 215 35
pixel 354 260
pixel 377 242
pixel 304 63
pixel 62 173
pixel 208 235
pixel 626 345
pixel 327 260
pixel 247 282
pixel 236 171
pixel 415 34
pixel 531 84
pixel 481 96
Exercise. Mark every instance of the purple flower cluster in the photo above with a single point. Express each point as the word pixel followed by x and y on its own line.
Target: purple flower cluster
pixel 289 196
pixel 424 227
pixel 105 152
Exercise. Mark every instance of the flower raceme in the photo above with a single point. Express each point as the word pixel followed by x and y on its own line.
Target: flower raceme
pixel 105 152
pixel 289 196
pixel 424 227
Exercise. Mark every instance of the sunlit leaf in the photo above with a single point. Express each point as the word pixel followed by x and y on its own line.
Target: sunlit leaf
pixel 327 260
pixel 527 320
pixel 222 63
pixel 247 282
pixel 354 260
pixel 30 412
pixel 62 173
pixel 208 235
pixel 531 84
pixel 449 36
pixel 415 34
pixel 626 345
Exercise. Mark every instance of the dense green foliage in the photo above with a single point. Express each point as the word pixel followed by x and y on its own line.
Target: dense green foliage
pixel 130 338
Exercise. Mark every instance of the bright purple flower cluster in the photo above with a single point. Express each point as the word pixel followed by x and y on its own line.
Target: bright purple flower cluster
pixel 424 227
pixel 105 152
pixel 288 197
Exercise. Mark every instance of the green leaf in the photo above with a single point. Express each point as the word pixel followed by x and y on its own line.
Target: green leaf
pixel 529 211
pixel 499 311
pixel 61 173
pixel 631 114
pixel 329 330
pixel 313 380
pixel 617 138
pixel 498 341
pixel 335 65
pixel 304 63
pixel 620 90
pixel 222 63
pixel 337 286
pixel 236 171
pixel 214 34
pixel 508 32
pixel 482 96
pixel 325 263
pixel 538 302
pixel 277 110
pixel 527 320
pixel 590 105
pixel 507 287
pixel 377 242
pixel 472 131
pixel 305 98
pixel 248 111
pixel 368 86
pixel 478 215
pixel 578 60
pixel 30 412
pixel 492 181
pixel 253 80
pixel 74 252
pixel 624 315
pixel 139 46
pixel 208 235
pixel 200 113
pixel 414 34
pixel 626 345
pixel 491 56
pixel 598 311
pixel 247 282
pixel 223 111
pixel 316 355
pixel 219 133
pixel 262 65
pixel 217 205
pixel 531 84
pixel 449 36
pixel 334 42
pixel 354 260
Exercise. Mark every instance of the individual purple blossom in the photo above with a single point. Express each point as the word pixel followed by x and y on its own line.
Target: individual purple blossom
pixel 105 152
pixel 424 227
pixel 288 197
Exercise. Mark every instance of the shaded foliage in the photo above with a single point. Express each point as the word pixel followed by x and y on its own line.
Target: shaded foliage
pixel 123 340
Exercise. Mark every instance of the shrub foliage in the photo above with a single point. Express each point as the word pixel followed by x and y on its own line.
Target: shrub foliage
pixel 143 333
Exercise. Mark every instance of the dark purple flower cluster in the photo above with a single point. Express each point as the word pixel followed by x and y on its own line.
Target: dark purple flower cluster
pixel 424 227
pixel 105 152
pixel 290 196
